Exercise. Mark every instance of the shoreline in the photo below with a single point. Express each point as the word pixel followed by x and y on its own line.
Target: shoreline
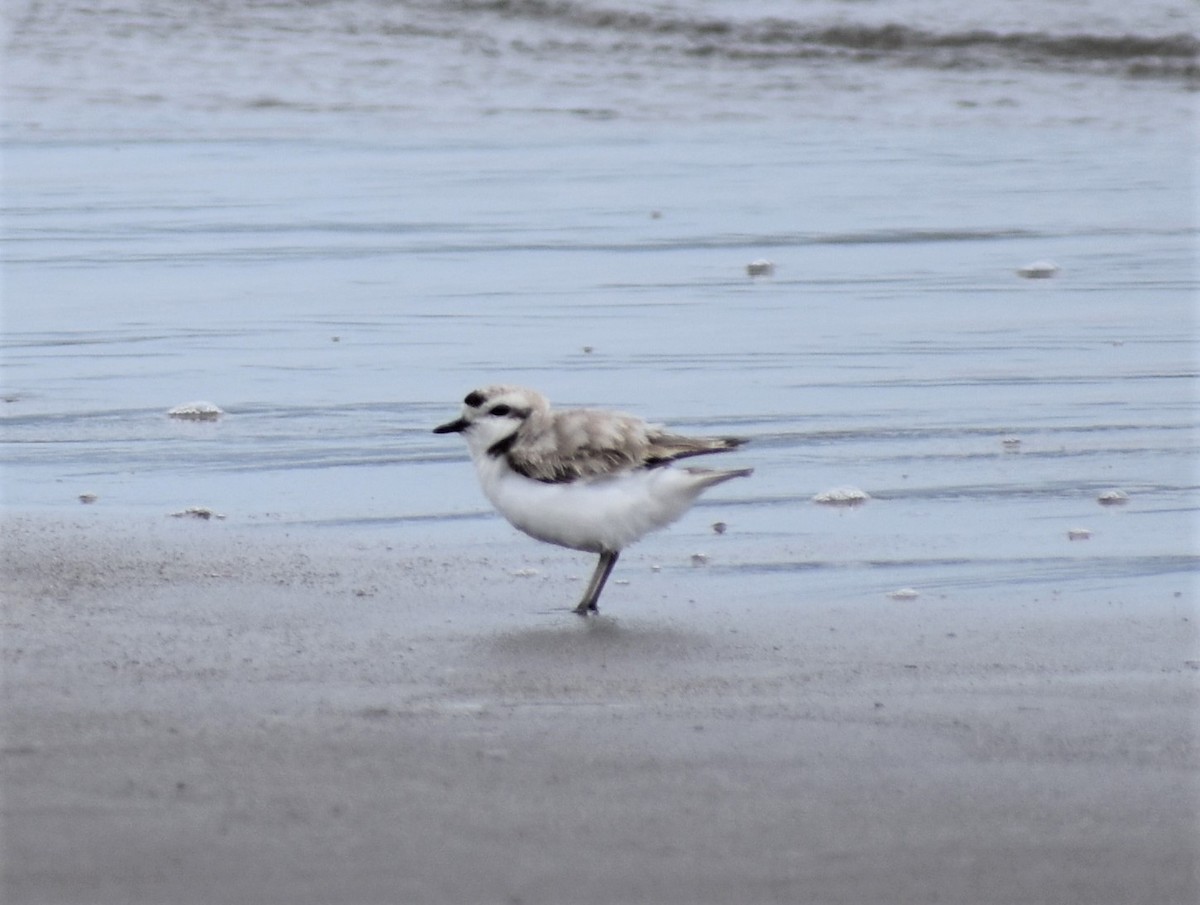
pixel 230 715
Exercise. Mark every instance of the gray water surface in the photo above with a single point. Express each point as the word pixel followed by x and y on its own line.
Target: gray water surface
pixel 333 220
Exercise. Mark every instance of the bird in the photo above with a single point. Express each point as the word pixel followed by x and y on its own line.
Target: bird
pixel 582 478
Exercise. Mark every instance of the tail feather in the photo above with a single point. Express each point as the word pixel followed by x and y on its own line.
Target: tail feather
pixel 710 477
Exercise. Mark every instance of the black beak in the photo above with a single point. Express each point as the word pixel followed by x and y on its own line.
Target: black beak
pixel 453 427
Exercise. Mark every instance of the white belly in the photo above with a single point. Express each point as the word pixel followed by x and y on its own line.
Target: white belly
pixel 596 515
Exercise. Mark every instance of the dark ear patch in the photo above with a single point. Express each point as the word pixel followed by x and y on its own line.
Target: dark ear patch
pixel 474 399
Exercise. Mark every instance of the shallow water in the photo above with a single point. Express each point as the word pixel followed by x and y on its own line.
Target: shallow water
pixel 333 220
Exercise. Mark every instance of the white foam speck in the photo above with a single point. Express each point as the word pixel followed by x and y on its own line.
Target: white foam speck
pixel 842 496
pixel 1038 270
pixel 196 411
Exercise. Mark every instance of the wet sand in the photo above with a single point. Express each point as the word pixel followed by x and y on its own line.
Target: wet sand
pixel 197 712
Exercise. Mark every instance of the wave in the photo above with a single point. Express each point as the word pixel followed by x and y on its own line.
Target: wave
pixel 959 573
pixel 770 40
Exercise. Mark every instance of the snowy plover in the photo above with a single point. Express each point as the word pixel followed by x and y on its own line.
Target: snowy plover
pixel 582 478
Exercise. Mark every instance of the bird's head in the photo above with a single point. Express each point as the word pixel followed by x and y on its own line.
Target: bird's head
pixel 492 415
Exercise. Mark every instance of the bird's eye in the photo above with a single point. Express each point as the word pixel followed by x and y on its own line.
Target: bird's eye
pixel 500 410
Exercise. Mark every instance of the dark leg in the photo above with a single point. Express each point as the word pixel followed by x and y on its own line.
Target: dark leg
pixel 608 559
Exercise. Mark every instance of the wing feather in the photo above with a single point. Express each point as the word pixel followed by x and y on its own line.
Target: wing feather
pixel 575 444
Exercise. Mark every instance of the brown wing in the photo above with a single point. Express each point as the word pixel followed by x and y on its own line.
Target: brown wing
pixel 586 443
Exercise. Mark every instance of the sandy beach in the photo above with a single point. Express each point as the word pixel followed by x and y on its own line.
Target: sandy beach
pixel 201 713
